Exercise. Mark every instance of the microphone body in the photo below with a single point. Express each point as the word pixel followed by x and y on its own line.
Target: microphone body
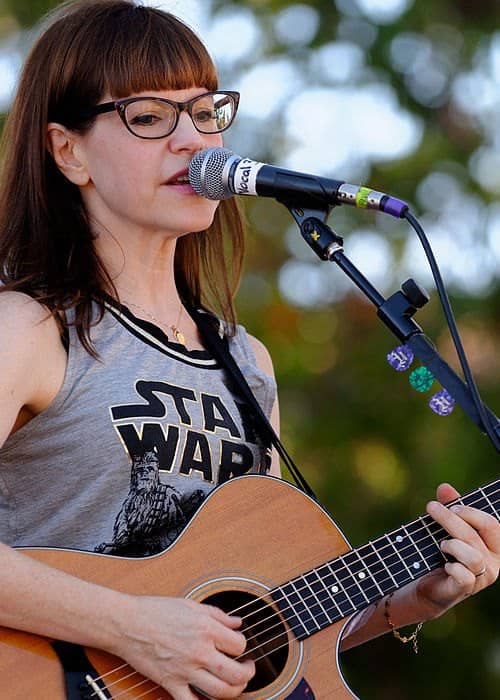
pixel 217 173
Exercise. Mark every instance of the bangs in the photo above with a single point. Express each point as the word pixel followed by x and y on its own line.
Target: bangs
pixel 154 51
pixel 116 48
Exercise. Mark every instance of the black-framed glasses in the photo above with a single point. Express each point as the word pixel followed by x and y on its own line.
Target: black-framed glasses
pixel 157 117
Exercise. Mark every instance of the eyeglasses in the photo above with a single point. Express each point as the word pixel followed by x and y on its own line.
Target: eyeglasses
pixel 156 117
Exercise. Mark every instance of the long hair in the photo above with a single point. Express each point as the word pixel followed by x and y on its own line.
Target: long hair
pixel 89 48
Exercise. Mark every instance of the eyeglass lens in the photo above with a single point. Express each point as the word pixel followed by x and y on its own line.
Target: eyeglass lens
pixel 150 118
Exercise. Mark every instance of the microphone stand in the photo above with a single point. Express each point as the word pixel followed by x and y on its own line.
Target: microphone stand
pixel 396 313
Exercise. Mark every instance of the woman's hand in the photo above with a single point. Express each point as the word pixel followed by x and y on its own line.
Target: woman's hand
pixel 474 550
pixel 184 646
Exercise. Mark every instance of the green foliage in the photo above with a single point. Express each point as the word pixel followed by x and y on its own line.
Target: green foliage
pixel 28 12
pixel 367 442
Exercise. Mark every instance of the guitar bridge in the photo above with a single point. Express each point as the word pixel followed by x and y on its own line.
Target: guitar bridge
pixel 81 678
pixel 98 692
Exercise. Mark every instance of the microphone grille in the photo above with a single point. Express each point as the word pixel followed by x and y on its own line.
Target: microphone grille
pixel 206 173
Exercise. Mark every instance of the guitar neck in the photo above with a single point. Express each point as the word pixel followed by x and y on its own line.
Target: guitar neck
pixel 349 583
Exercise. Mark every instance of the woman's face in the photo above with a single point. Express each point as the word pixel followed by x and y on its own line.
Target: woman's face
pixel 134 182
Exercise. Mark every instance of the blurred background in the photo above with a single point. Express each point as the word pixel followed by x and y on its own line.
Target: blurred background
pixel 403 95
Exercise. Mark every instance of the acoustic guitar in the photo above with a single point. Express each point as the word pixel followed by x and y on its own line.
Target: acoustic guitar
pixel 260 548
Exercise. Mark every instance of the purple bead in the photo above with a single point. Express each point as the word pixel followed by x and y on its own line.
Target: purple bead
pixel 400 358
pixel 442 403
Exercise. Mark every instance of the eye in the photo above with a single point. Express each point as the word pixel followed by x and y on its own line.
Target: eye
pixel 145 119
pixel 204 115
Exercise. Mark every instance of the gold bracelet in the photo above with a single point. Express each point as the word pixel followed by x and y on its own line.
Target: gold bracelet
pixel 400 637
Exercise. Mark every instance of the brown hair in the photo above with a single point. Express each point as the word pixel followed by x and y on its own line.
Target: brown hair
pixel 88 48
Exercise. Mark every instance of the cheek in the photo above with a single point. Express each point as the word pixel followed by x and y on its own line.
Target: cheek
pixel 119 171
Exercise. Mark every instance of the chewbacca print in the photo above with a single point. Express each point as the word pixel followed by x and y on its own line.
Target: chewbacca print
pixel 152 515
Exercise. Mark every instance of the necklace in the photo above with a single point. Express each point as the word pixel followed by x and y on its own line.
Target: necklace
pixel 178 334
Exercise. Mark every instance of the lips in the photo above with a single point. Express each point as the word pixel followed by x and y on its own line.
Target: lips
pixel 180 178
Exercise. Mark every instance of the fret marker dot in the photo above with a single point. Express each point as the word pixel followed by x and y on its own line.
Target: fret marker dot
pixel 416 565
pixel 361 575
pixel 399 539
pixel 334 589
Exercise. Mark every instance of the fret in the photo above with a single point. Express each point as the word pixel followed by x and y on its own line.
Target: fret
pixel 298 610
pixel 387 583
pixel 480 499
pixel 291 615
pixel 324 595
pixel 490 505
pixel 337 590
pixel 320 595
pixel 339 598
pixel 364 576
pixel 492 491
pixel 425 543
pixel 350 586
pixel 361 576
pixel 427 523
pixel 400 572
pixel 412 553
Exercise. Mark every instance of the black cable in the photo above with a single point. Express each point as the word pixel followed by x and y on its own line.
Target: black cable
pixel 491 431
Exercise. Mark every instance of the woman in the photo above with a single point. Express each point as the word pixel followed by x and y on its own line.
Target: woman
pixel 114 419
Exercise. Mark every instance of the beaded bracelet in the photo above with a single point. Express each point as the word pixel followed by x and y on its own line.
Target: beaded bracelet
pixel 400 637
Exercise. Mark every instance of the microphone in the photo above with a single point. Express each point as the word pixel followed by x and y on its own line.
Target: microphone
pixel 218 173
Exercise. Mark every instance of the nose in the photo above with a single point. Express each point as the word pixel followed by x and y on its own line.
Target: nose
pixel 186 137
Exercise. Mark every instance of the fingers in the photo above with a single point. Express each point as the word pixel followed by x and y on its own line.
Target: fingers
pixel 446 493
pixel 228 639
pixel 468 565
pixel 228 682
pixel 469 524
pixel 474 543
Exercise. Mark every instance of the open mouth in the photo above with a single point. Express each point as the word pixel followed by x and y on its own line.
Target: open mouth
pixel 181 178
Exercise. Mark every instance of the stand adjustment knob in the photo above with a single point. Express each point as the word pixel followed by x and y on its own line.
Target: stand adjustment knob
pixel 416 294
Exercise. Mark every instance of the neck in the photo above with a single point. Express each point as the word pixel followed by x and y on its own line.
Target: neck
pixel 142 270
pixel 365 575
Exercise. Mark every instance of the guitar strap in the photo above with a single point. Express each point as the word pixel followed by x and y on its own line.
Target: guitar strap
pixel 209 327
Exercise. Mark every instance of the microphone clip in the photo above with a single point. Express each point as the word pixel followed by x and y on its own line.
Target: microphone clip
pixel 317 234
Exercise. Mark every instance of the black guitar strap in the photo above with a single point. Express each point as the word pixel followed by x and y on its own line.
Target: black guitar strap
pixel 208 326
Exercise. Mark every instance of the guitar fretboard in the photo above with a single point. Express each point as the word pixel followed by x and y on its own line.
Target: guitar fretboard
pixel 350 583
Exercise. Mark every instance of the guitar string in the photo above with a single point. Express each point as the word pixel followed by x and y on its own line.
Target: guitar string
pixel 340 580
pixel 380 566
pixel 482 497
pixel 373 570
pixel 325 606
pixel 325 603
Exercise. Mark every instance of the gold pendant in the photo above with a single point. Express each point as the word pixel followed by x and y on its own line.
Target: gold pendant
pixel 179 336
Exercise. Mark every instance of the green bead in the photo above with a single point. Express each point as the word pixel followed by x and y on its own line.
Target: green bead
pixel 421 379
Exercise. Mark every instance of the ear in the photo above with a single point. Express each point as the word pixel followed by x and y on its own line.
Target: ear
pixel 68 154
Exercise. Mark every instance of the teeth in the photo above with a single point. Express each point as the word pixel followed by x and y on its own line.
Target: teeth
pixel 183 179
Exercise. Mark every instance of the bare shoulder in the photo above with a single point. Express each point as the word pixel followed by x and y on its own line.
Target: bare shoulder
pixel 22 314
pixel 32 358
pixel 262 355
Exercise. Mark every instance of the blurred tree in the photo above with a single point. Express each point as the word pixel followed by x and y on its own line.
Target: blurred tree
pixel 28 12
pixel 367 442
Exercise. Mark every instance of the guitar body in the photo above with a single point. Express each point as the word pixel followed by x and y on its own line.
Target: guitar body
pixel 251 535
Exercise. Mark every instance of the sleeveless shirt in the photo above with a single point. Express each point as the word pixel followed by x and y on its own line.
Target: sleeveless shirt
pixel 131 445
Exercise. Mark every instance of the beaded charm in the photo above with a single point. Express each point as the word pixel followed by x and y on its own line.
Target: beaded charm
pixel 442 403
pixel 421 379
pixel 400 358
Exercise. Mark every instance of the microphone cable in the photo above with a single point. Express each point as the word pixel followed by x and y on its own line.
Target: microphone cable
pixel 493 432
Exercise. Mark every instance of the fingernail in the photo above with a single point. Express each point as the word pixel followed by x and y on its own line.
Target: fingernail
pixel 456 509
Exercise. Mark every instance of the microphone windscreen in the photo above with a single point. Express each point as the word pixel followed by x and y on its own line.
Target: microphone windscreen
pixel 206 173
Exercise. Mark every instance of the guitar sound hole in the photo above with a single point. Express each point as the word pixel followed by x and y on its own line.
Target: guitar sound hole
pixel 266 634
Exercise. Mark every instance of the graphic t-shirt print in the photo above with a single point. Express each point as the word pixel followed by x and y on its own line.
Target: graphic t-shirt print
pixel 174 431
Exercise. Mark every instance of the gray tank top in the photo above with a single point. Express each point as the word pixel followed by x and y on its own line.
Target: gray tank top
pixel 132 443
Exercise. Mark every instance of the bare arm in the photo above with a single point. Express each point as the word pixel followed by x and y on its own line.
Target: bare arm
pixel 177 643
